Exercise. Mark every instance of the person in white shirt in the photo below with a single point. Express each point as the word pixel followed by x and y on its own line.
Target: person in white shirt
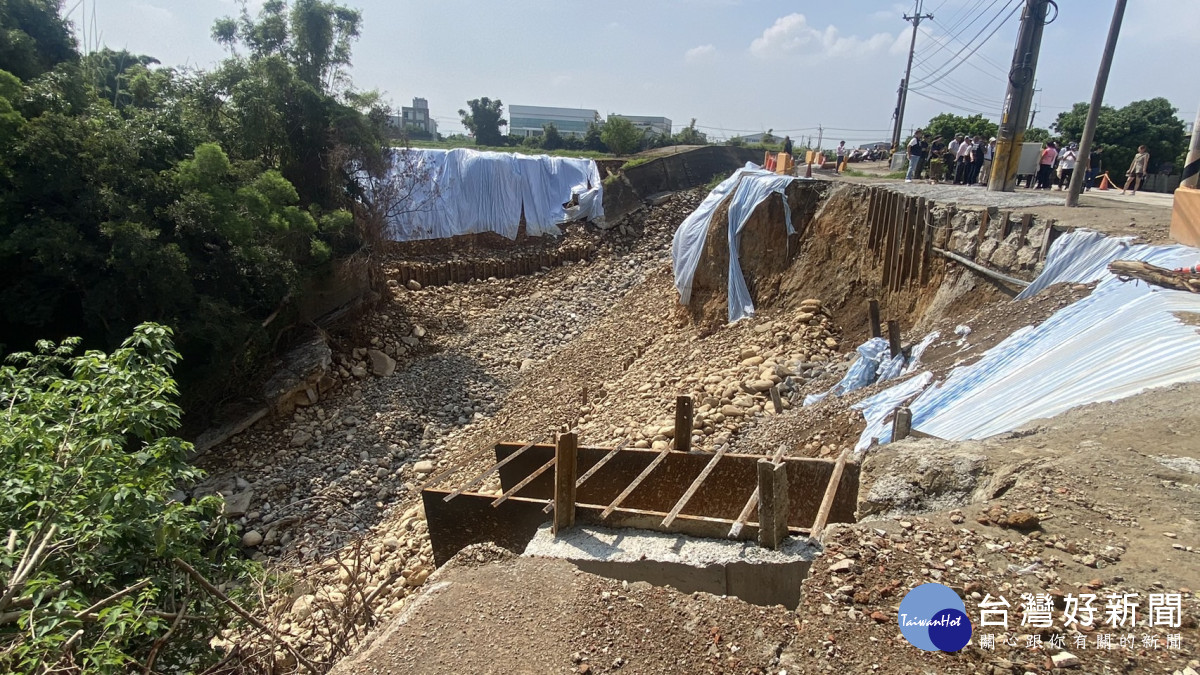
pixel 950 156
pixel 962 168
pixel 1066 166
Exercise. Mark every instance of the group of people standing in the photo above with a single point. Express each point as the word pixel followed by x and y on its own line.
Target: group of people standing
pixel 964 160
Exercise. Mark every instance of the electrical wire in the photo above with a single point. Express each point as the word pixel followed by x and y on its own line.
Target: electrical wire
pixel 958 106
pixel 1017 6
pixel 958 59
pixel 982 57
pixel 955 35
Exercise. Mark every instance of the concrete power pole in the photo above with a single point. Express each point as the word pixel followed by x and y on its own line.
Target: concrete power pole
pixel 916 22
pixel 1089 126
pixel 1191 166
pixel 1015 115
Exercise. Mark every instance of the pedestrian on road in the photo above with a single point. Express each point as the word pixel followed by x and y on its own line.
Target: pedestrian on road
pixel 962 164
pixel 988 156
pixel 950 157
pixel 918 148
pixel 841 157
pixel 1066 166
pixel 978 152
pixel 1046 166
pixel 787 144
pixel 1137 170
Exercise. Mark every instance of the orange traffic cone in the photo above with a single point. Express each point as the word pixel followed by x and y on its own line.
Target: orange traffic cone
pixel 1104 182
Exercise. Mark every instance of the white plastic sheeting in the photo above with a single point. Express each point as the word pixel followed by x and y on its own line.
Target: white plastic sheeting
pixel 878 410
pixel 462 191
pixel 874 365
pixel 750 186
pixel 1122 339
pixel 1083 256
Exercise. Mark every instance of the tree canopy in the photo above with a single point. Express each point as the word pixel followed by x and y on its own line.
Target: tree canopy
pixel 484 119
pixel 621 136
pixel 947 125
pixel 1153 123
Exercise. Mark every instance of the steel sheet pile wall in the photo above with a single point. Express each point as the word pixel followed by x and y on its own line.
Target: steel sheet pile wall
pixel 1122 339
pixel 460 191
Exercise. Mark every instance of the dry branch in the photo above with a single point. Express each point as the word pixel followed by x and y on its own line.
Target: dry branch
pixel 1158 276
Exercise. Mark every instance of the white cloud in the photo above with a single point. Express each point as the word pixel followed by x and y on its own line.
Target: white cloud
pixel 698 54
pixel 792 35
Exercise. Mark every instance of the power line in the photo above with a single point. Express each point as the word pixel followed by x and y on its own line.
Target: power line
pixel 999 68
pixel 957 106
pixel 955 35
pixel 956 60
pixel 1016 6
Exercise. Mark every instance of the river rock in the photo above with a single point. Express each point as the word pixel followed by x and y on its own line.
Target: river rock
pixel 381 364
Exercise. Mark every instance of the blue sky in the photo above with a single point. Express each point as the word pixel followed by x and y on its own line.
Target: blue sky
pixel 734 65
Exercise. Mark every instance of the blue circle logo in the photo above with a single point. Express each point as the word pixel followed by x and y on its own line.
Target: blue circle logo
pixel 933 618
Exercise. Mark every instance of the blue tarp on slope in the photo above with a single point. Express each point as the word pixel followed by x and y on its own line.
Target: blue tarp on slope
pixel 1122 339
pixel 750 186
pixel 462 191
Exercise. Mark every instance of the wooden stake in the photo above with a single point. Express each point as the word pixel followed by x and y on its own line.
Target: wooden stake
pixel 683 423
pixel 566 455
pixel 835 480
pixel 873 317
pixel 901 423
pixel 894 337
pixel 772 503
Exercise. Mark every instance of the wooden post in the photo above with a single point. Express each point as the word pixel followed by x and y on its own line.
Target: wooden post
pixel 885 236
pixel 776 400
pixel 926 258
pixel 984 221
pixel 1026 221
pixel 566 455
pixel 772 503
pixel 683 423
pixel 894 336
pixel 901 423
pixel 873 317
pixel 835 480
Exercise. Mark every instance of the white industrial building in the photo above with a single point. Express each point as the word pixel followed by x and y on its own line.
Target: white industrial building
pixel 530 120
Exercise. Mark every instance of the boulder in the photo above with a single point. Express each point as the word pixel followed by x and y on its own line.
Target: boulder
pixel 381 364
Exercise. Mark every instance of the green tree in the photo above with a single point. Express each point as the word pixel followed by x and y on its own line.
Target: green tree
pixel 551 139
pixel 484 120
pixel 593 140
pixel 1037 135
pixel 690 136
pixel 947 125
pixel 33 37
pixel 89 471
pixel 1153 123
pixel 621 136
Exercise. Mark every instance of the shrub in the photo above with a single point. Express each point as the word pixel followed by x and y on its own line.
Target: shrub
pixel 88 579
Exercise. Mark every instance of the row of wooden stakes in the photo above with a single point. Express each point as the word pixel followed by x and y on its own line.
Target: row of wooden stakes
pixel 902 233
pixel 462 271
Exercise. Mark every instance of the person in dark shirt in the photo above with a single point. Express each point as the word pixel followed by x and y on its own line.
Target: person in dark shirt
pixel 918 150
pixel 787 144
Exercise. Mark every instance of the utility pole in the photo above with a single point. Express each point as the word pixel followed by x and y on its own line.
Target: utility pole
pixel 1089 126
pixel 1017 101
pixel 916 22
pixel 820 135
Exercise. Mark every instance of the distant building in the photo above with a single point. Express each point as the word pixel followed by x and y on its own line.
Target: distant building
pixel 530 120
pixel 416 118
pixel 654 126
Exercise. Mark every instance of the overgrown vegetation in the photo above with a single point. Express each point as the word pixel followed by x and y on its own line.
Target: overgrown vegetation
pixel 89 574
pixel 202 200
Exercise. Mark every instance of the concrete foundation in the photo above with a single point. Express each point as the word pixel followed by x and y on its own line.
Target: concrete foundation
pixel 689 564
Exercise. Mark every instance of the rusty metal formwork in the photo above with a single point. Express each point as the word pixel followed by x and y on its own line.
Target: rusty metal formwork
pixel 692 493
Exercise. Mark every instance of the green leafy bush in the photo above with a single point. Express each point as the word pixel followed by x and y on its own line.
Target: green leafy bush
pixel 87 578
